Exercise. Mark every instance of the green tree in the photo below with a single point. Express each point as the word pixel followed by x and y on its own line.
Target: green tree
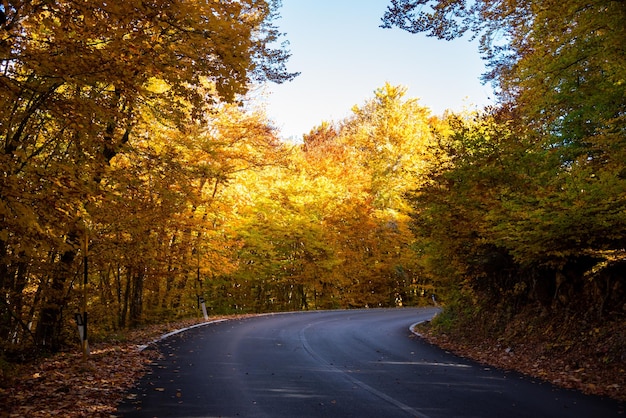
pixel 452 210
pixel 556 206
pixel 559 64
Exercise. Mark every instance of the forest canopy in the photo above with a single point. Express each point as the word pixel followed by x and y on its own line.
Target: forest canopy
pixel 530 203
pixel 100 103
pixel 129 155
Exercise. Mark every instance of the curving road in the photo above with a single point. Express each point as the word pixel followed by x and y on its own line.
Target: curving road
pixel 357 363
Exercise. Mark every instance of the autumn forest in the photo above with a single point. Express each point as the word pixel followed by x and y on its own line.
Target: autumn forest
pixel 138 178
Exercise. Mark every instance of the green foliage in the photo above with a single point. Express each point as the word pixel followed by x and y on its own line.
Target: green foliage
pixel 527 201
pixel 458 310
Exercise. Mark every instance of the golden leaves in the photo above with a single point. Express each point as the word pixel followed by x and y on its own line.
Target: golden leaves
pixel 64 386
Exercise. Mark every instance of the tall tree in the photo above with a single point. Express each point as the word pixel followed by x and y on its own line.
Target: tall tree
pixel 388 137
pixel 559 70
pixel 165 213
pixel 74 78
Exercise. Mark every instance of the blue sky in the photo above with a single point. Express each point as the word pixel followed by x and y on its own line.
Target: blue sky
pixel 343 56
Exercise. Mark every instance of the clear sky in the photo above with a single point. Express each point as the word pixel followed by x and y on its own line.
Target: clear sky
pixel 343 56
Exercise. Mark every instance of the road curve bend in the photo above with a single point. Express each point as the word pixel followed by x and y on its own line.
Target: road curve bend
pixel 349 363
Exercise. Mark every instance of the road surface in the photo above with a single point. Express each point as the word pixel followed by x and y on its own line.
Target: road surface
pixel 355 363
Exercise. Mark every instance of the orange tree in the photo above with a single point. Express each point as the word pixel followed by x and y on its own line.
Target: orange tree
pixel 331 228
pixel 390 139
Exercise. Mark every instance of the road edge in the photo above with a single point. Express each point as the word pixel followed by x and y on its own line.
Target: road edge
pixel 412 326
pixel 142 347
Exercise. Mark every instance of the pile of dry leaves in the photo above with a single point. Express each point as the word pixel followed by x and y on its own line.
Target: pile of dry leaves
pixel 66 386
pixel 589 359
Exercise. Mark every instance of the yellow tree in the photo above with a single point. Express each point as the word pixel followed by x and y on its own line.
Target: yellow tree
pixel 291 254
pixel 283 247
pixel 390 139
pixel 332 228
pixel 163 231
pixel 389 136
pixel 75 76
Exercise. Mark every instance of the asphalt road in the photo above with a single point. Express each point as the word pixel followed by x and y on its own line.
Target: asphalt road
pixel 357 363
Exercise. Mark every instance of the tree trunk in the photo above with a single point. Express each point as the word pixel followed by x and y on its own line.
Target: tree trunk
pixel 49 325
pixel 124 301
pixel 136 306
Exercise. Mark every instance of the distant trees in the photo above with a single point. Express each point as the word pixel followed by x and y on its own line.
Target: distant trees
pixel 183 208
pixel 329 228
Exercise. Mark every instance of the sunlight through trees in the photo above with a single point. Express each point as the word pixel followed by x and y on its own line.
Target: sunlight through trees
pixel 127 123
